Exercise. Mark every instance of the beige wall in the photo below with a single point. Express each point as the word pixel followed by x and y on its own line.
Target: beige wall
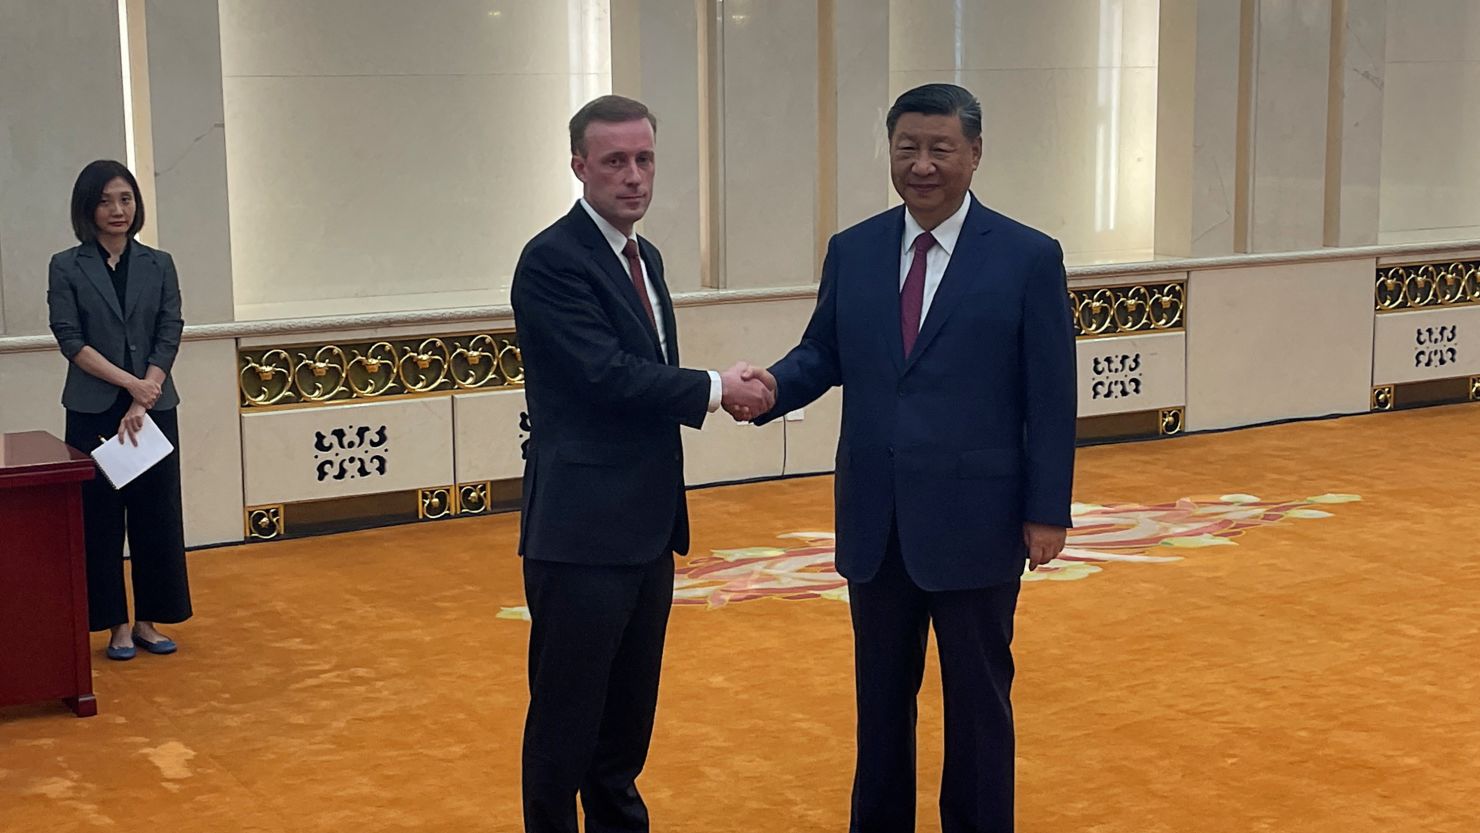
pixel 1279 342
pixel 1289 93
pixel 1430 167
pixel 1069 101
pixel 387 150
pixel 1197 127
pixel 55 117
pixel 187 151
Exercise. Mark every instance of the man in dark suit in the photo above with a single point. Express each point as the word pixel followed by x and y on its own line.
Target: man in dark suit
pixel 947 325
pixel 604 506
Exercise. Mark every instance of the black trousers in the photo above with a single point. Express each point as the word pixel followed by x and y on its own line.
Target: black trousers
pixel 595 651
pixel 973 633
pixel 149 511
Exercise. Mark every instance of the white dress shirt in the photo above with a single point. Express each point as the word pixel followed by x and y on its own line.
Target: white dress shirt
pixel 618 241
pixel 938 257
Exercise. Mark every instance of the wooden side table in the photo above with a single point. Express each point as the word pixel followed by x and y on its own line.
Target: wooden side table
pixel 43 573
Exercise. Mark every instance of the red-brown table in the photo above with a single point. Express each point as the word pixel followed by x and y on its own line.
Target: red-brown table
pixel 43 573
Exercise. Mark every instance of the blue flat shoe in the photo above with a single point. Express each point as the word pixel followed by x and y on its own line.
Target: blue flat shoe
pixel 120 654
pixel 163 646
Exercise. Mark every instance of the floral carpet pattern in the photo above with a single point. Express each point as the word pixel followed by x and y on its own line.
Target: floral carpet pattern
pixel 1102 534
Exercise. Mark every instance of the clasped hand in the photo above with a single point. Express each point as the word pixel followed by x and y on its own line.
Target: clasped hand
pixel 145 392
pixel 748 391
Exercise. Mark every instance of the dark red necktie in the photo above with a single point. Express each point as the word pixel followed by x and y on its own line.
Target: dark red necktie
pixel 634 267
pixel 912 296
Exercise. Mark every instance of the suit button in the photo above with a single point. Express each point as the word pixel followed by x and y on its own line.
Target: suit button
pixel 678 456
pixel 891 452
pixel 133 349
pixel 900 393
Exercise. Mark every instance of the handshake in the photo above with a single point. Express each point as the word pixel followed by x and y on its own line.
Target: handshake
pixel 748 391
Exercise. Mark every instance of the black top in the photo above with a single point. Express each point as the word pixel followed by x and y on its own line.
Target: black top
pixel 118 273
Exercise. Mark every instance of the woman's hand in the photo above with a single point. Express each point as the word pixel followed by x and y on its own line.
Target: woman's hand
pixel 132 424
pixel 145 392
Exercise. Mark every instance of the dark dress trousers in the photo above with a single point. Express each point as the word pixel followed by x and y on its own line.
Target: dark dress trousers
pixel 603 513
pixel 131 315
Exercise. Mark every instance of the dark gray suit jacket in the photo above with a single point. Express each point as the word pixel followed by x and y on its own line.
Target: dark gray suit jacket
pixel 84 312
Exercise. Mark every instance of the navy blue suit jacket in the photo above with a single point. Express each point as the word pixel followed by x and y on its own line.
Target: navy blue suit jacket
pixel 603 470
pixel 969 436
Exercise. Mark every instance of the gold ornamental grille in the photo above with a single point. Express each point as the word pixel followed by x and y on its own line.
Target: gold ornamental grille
pixel 1121 310
pixel 318 373
pixel 1427 285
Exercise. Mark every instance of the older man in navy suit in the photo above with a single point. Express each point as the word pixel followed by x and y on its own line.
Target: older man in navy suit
pixel 948 327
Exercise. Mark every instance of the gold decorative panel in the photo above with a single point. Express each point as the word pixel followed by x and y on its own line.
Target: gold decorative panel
pixel 1170 422
pixel 472 498
pixel 293 519
pixel 1382 398
pixel 436 502
pixel 1426 285
pixel 310 374
pixel 1119 310
pixel 264 523
pixel 458 499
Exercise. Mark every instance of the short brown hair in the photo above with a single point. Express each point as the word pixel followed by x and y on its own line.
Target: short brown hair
pixel 614 109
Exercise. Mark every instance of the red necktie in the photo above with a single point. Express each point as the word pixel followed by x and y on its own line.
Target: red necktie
pixel 912 296
pixel 634 268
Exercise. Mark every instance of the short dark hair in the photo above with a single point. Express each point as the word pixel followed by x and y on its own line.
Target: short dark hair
pixel 614 109
pixel 939 100
pixel 88 192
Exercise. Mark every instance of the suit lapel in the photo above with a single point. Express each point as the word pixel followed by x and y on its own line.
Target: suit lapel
pixel 96 270
pixel 665 300
pixel 143 273
pixel 965 261
pixel 612 267
pixel 886 287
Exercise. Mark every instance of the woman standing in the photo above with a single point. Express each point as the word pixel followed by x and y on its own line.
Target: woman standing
pixel 115 311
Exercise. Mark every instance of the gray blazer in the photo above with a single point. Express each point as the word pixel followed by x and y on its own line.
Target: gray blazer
pixel 84 312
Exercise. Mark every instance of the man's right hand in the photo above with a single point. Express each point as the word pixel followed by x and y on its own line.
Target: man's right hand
pixel 144 391
pixel 745 394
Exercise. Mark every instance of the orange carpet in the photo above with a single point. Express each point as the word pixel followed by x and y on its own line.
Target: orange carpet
pixel 1269 630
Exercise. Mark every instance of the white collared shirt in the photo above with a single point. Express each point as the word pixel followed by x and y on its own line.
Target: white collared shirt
pixel 618 241
pixel 938 257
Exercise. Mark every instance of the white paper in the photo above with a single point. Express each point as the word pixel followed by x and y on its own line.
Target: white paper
pixel 122 462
